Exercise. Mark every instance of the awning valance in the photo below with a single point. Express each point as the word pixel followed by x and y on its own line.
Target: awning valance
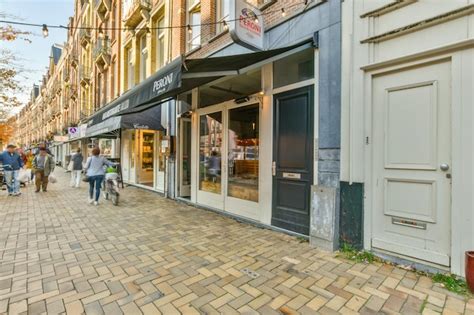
pixel 149 119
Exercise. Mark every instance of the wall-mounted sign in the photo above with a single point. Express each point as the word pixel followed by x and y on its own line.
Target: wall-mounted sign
pixel 77 132
pixel 72 130
pixel 60 138
pixel 246 26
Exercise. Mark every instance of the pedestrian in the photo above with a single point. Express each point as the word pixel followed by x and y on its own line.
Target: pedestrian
pixel 43 166
pixel 76 160
pixel 12 163
pixel 95 171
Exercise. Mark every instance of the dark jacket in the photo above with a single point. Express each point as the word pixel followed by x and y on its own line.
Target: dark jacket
pixel 11 161
pixel 48 164
pixel 77 160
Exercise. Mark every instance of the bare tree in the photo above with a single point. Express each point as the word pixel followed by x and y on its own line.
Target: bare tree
pixel 10 70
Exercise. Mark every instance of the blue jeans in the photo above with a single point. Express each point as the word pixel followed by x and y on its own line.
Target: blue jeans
pixel 97 182
pixel 13 184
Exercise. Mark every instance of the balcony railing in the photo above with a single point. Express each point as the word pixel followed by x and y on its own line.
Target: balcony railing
pixel 85 35
pixel 72 91
pixel 66 74
pixel 84 75
pixel 103 7
pixel 74 55
pixel 136 11
pixel 102 51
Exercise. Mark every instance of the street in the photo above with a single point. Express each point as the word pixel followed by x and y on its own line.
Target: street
pixel 152 255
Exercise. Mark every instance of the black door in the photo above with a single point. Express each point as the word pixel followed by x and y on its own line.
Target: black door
pixel 293 159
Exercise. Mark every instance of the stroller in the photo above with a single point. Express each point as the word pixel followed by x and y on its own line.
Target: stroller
pixel 23 178
pixel 3 185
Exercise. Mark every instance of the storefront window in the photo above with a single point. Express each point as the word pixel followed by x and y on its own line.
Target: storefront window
pixel 162 153
pixel 243 152
pixel 294 68
pixel 210 154
pixel 105 146
pixel 147 150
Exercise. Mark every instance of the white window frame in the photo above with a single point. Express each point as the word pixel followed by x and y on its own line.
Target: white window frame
pixel 194 8
pixel 130 68
pixel 221 16
pixel 143 57
pixel 160 43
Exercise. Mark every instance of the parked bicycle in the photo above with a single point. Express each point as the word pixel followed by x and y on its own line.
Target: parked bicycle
pixel 111 189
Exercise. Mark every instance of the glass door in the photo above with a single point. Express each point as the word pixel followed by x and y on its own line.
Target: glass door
pixel 228 159
pixel 185 158
pixel 242 143
pixel 210 141
pixel 146 158
pixel 160 162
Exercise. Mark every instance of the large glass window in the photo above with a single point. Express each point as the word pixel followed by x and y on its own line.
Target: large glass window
pixel 143 57
pixel 210 152
pixel 243 152
pixel 222 14
pixel 160 43
pixel 130 69
pixel 294 68
pixel 194 24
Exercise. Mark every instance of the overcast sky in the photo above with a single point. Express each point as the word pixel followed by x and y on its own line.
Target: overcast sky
pixel 35 55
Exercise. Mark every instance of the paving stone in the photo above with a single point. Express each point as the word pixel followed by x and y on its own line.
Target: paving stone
pixel 152 255
pixel 56 307
pixel 112 309
pixel 93 308
pixel 37 308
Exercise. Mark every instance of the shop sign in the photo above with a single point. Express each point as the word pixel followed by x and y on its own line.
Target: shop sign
pixel 163 81
pixel 246 26
pixel 60 138
pixel 117 109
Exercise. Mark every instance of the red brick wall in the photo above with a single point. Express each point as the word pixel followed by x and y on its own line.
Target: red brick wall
pixel 272 15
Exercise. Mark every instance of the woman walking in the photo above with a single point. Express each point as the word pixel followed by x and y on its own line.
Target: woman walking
pixel 29 163
pixel 95 170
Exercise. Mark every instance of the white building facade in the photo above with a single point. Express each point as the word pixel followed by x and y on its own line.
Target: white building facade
pixel 407 131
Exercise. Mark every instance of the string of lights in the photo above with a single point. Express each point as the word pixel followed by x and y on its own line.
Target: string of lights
pixel 225 23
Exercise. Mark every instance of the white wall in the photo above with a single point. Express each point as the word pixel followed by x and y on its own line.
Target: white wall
pixel 452 37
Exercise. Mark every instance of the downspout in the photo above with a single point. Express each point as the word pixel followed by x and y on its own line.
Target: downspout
pixel 351 74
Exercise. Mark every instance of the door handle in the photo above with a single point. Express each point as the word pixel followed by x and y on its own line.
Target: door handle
pixel 444 167
pixel 274 168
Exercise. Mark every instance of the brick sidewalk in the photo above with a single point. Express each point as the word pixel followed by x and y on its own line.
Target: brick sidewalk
pixel 151 255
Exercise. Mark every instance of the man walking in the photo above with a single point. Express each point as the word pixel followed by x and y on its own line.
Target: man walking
pixel 76 160
pixel 43 165
pixel 12 163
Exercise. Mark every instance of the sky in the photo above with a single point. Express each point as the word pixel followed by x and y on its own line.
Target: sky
pixel 35 56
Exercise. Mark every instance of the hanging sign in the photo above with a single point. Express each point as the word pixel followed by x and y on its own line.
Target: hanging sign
pixel 246 26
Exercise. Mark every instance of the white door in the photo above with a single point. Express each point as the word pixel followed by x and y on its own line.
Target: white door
pixel 412 163
pixel 227 160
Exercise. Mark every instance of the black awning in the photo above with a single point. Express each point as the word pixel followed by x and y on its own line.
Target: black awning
pixel 157 86
pixel 149 119
pixel 182 75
